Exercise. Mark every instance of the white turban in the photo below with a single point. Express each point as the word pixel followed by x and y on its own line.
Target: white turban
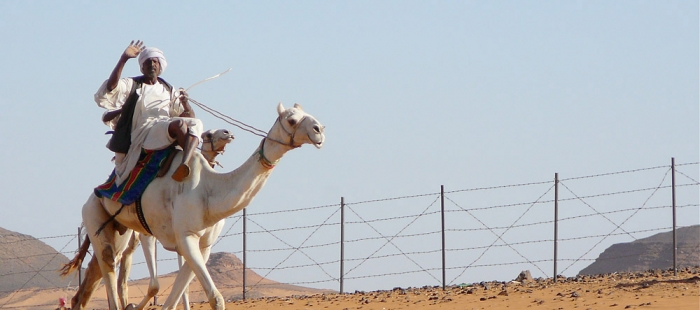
pixel 151 52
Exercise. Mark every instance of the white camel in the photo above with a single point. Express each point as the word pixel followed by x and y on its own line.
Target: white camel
pixel 187 216
pixel 213 144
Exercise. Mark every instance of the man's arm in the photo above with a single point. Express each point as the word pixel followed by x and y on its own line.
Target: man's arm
pixel 184 101
pixel 131 51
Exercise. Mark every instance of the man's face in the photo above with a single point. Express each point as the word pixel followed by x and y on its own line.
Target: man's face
pixel 151 67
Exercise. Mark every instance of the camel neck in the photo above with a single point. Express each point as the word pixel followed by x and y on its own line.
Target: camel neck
pixel 237 188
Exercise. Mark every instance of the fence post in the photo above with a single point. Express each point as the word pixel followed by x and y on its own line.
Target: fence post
pixel 556 221
pixel 244 256
pixel 442 212
pixel 342 242
pixel 80 268
pixel 673 205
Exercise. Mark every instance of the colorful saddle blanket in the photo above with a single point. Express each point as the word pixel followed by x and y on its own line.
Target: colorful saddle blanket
pixel 132 188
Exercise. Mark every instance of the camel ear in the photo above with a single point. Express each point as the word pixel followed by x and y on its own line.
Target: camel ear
pixel 298 106
pixel 280 109
pixel 206 134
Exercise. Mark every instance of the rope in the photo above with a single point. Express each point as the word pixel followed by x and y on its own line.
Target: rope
pixel 230 120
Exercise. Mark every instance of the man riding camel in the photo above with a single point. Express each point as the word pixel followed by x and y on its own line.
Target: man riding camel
pixel 145 112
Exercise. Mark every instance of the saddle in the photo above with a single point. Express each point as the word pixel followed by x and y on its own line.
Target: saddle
pixel 165 165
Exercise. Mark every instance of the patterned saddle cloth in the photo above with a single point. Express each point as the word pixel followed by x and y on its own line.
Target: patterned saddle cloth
pixel 132 188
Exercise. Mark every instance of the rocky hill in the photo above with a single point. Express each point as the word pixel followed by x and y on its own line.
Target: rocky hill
pixel 227 272
pixel 654 252
pixel 29 277
pixel 26 262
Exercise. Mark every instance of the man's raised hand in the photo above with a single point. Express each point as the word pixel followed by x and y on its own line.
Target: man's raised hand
pixel 134 49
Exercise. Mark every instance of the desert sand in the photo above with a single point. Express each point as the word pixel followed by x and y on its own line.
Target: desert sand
pixel 645 290
pixel 648 290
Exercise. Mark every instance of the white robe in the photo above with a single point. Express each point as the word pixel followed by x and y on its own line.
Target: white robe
pixel 154 110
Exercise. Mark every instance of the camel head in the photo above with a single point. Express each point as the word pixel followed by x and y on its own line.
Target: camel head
pixel 298 127
pixel 213 144
pixel 216 140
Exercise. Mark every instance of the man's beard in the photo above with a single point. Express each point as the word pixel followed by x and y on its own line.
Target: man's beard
pixel 153 73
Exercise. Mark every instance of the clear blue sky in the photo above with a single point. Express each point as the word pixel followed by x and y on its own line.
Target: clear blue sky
pixel 414 94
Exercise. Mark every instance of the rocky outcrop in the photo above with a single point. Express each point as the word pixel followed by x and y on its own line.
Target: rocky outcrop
pixel 227 272
pixel 26 262
pixel 655 252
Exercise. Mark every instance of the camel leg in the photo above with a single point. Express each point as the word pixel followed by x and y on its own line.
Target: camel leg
pixel 104 246
pixel 184 276
pixel 148 244
pixel 125 268
pixel 185 293
pixel 93 275
pixel 196 260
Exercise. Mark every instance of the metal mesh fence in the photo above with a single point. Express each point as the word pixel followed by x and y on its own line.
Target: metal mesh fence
pixel 488 233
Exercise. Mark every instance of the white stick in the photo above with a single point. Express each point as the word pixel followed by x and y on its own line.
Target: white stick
pixel 207 79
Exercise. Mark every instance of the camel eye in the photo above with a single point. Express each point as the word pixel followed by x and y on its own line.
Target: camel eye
pixel 292 122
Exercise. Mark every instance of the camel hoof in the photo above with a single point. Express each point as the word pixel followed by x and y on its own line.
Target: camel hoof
pixel 217 302
pixel 181 173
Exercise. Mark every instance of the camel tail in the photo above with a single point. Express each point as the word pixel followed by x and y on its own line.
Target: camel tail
pixel 77 261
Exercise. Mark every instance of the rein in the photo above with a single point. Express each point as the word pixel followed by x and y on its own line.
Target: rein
pixel 246 127
pixel 264 161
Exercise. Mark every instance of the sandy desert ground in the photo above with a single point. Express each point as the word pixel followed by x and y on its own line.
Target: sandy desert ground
pixel 648 290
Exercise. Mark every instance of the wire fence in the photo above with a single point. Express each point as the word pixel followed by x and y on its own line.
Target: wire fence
pixel 553 228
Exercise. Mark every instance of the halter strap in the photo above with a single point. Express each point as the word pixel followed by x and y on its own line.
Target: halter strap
pixel 266 163
pixel 289 134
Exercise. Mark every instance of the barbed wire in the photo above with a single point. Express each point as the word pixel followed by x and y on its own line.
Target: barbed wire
pixel 298 250
pixel 389 199
pixel 499 237
pixel 228 286
pixel 592 208
pixel 295 248
pixel 37 273
pixel 624 210
pixel 393 255
pixel 397 236
pixel 295 210
pixel 391 218
pixel 266 231
pixel 295 266
pixel 534 262
pixel 615 234
pixel 620 256
pixel 362 260
pixel 498 187
pixel 226 233
pixel 389 240
pixel 614 173
pixel 499 245
pixel 33 239
pixel 623 222
pixel 685 175
pixel 498 227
